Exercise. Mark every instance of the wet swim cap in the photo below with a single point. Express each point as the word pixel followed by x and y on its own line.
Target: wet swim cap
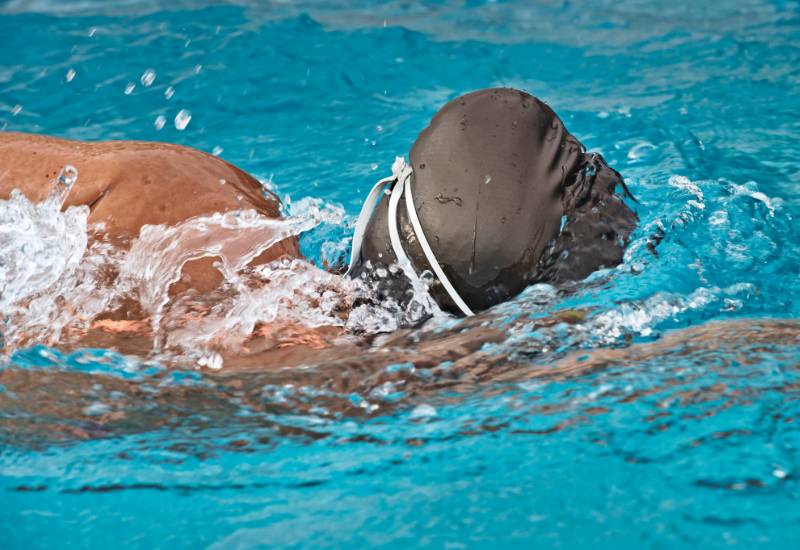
pixel 491 178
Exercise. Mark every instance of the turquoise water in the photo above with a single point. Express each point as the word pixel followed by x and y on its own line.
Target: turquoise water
pixel 666 418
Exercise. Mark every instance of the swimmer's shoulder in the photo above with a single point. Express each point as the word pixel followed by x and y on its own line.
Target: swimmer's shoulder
pixel 180 180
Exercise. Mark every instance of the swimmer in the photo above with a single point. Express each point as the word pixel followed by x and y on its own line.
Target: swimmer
pixel 497 195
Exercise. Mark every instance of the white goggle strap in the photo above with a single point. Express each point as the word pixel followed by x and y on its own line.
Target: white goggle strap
pixel 363 219
pixel 403 186
pixel 426 248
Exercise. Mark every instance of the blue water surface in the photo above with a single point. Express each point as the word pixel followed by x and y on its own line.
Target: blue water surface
pixel 691 441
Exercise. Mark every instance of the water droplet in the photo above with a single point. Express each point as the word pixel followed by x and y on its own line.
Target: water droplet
pixel 487 179
pixel 70 75
pixel 161 120
pixel 129 88
pixel 66 179
pixel 217 151
pixel 148 77
pixel 96 409
pixel 182 119
pixel 68 176
pixel 212 361
pixel 426 277
pixel 92 31
pixel 373 166
pixel 379 128
pixel 423 411
pixel 197 69
pixel 169 92
pixel 17 109
pixel 222 181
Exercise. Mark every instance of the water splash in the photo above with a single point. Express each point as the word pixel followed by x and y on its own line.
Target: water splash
pixel 59 275
pixel 39 243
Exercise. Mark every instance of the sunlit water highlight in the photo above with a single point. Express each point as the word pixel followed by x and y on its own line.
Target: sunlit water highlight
pixel 654 404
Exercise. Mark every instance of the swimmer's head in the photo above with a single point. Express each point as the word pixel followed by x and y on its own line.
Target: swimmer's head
pixel 504 196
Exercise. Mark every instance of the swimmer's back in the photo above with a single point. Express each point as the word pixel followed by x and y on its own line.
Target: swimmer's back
pixel 128 184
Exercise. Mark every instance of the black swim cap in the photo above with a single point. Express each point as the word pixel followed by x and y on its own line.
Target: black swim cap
pixel 506 196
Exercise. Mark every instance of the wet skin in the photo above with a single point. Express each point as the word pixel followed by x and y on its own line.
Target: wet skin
pixel 129 184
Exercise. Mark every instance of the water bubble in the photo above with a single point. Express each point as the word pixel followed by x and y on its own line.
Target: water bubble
pixel 92 31
pixel 213 361
pixel 161 120
pixel 129 88
pixel 182 119
pixel 217 151
pixel 17 109
pixel 70 75
pixel 148 77
pixel 426 277
pixel 197 69
pixel 96 409
pixel 423 411
pixel 379 128
pixel 68 176
pixel 373 166
pixel 64 182
pixel 169 92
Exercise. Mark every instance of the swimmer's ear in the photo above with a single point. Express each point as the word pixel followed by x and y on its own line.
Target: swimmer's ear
pixel 608 178
pixel 593 177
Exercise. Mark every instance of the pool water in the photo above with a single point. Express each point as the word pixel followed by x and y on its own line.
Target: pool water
pixel 654 405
